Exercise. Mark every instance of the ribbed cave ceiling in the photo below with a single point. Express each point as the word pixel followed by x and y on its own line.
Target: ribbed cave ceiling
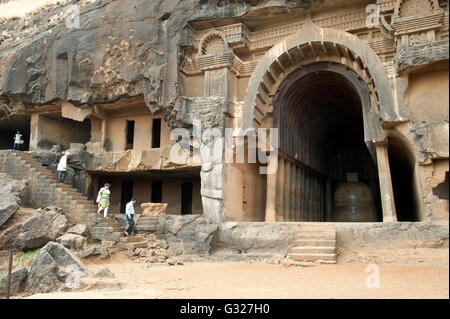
pixel 319 115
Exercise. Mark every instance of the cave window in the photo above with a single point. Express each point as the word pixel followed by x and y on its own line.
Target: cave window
pixel 156 133
pixel 130 135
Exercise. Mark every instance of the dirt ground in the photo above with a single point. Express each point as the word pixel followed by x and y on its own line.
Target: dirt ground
pixel 264 280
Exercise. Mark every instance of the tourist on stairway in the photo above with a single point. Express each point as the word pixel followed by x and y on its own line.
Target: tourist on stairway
pixel 103 200
pixel 129 216
pixel 62 167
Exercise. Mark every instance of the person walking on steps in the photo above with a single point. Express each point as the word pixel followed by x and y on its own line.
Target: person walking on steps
pixel 62 167
pixel 17 141
pixel 129 216
pixel 103 200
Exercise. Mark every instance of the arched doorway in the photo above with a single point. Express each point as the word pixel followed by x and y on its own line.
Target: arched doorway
pixel 311 45
pixel 401 161
pixel 320 111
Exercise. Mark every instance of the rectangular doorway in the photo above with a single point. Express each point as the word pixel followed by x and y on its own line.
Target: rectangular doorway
pixel 186 198
pixel 126 195
pixel 156 196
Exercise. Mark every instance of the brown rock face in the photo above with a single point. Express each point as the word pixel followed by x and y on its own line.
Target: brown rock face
pixel 354 203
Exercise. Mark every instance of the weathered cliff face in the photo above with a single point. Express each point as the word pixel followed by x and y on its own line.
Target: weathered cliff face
pixel 112 49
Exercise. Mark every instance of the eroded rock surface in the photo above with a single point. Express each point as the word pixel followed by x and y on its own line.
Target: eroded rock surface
pixel 54 268
pixel 188 234
pixel 44 226
pixel 11 191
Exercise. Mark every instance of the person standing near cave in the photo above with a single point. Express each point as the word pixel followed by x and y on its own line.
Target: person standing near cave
pixel 17 141
pixel 129 216
pixel 62 167
pixel 103 200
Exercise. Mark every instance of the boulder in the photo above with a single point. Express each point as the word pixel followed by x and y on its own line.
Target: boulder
pixel 11 190
pixel 72 241
pixel 46 158
pixel 44 226
pixel 187 234
pixel 78 229
pixel 154 209
pixel 54 268
pixel 18 281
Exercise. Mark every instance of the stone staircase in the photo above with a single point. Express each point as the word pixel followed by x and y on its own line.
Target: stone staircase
pixel 146 224
pixel 314 242
pixel 133 242
pixel 45 191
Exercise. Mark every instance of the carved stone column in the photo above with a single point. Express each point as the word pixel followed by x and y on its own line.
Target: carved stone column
pixel 387 193
pixel 271 193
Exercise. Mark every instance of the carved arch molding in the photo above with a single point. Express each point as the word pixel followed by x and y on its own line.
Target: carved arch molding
pixel 311 45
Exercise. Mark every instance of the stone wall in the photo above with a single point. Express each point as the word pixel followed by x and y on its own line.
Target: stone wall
pixel 183 233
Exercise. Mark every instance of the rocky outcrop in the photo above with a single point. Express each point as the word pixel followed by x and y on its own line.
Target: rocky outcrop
pixel 12 191
pixel 54 268
pixel 118 49
pixel 44 226
pixel 188 234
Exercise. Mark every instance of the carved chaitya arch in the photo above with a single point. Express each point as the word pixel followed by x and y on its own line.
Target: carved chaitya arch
pixel 212 42
pixel 314 44
pixel 407 8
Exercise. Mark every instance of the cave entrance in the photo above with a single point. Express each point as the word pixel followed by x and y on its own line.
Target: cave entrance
pixel 126 195
pixel 8 129
pixel 179 188
pixel 50 129
pixel 401 163
pixel 321 111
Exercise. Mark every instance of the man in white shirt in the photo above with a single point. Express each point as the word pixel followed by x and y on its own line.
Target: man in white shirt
pixel 17 141
pixel 62 167
pixel 129 216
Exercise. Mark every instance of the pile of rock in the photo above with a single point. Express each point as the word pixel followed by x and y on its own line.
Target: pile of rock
pixel 56 268
pixel 75 238
pixel 148 249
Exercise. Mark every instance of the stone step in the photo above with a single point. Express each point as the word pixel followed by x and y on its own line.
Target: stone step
pixel 312 257
pixel 139 244
pixel 147 219
pixel 315 236
pixel 307 230
pixel 149 228
pixel 315 242
pixel 313 250
pixel 131 239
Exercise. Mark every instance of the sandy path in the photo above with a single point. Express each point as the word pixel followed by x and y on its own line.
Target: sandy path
pixel 262 280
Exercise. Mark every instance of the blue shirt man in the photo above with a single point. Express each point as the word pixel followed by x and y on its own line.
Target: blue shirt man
pixel 129 216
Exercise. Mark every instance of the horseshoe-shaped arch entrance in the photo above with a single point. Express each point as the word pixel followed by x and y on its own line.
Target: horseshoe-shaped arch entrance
pixel 359 67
